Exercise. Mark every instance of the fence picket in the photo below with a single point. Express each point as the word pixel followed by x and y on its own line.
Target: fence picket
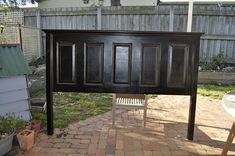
pixel 218 24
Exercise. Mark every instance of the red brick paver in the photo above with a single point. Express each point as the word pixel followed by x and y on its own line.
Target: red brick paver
pixel 165 132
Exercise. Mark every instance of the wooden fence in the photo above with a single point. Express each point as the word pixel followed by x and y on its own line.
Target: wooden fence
pixel 12 17
pixel 29 37
pixel 218 23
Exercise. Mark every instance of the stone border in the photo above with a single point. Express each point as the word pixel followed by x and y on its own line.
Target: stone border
pixel 220 77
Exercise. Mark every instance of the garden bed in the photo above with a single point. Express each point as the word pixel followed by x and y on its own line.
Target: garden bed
pixel 217 77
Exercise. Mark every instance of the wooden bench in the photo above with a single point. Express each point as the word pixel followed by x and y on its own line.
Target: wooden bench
pixel 130 101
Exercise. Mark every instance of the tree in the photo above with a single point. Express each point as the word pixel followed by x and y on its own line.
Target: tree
pixel 15 3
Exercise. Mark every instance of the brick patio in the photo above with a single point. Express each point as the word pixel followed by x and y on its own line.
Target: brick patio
pixel 165 133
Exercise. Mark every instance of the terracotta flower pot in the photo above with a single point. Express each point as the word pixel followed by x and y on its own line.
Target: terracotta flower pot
pixel 36 126
pixel 26 139
pixel 28 126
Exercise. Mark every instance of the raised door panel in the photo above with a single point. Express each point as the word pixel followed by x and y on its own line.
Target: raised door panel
pixel 150 65
pixel 65 66
pixel 94 60
pixel 177 70
pixel 121 64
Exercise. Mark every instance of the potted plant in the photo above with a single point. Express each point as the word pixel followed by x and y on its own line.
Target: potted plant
pixel 36 126
pixel 8 126
pixel 28 126
pixel 26 139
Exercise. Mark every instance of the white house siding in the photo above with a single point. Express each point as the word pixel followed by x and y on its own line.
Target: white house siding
pixel 138 2
pixel 14 97
pixel 79 3
pixel 69 3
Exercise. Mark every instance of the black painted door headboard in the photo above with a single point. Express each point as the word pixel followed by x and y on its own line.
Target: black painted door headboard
pixel 122 62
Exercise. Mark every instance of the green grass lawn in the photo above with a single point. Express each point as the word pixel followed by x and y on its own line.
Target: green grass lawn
pixel 214 91
pixel 69 107
pixel 79 106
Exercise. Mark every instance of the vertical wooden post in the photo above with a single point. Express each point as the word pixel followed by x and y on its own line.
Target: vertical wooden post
pixel 190 16
pixel 113 110
pixel 99 18
pixel 229 140
pixel 145 110
pixel 191 119
pixel 171 19
pixel 38 18
pixel 20 37
pixel 49 83
pixel 193 96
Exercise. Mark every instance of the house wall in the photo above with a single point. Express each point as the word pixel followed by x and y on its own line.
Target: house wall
pixel 14 97
pixel 69 3
pixel 79 3
pixel 138 2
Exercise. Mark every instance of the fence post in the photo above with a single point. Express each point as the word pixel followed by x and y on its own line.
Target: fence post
pixel 98 27
pixel 190 16
pixel 38 18
pixel 171 19
pixel 20 37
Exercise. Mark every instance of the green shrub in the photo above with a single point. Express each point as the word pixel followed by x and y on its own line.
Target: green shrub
pixel 10 122
pixel 39 116
pixel 216 61
pixel 3 40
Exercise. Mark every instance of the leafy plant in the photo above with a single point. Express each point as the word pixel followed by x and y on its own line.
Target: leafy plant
pixel 216 62
pixel 219 58
pixel 39 116
pixel 1 28
pixel 10 122
pixel 15 3
pixel 2 38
